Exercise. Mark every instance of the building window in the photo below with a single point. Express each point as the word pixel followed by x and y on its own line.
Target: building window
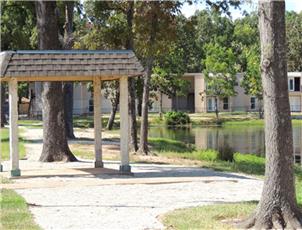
pixel 253 103
pixel 225 103
pixel 291 85
pixel 297 84
pixel 210 104
pixel 90 105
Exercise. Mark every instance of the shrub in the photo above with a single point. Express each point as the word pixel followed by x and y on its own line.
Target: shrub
pixel 176 118
pixel 226 153
pixel 207 155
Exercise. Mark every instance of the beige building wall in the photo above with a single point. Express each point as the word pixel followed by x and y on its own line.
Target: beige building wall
pixel 167 103
pixel 242 102
pixel 199 93
pixel 81 97
pixel 83 100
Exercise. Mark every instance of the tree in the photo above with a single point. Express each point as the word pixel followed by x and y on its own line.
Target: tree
pixel 2 97
pixel 55 145
pixel 278 205
pixel 220 73
pixel 18 31
pixel 155 28
pixel 246 39
pixel 112 93
pixel 167 83
pixel 112 29
pixel 252 79
pixel 131 85
pixel 68 86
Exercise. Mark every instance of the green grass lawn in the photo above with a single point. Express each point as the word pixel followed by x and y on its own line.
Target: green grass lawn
pixel 207 217
pixel 4 138
pixel 14 212
pixel 256 122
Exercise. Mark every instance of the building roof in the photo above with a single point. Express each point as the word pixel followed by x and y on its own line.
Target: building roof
pixel 35 64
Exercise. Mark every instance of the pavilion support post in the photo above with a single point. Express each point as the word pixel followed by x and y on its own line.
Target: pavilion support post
pixel 13 127
pixel 124 126
pixel 97 123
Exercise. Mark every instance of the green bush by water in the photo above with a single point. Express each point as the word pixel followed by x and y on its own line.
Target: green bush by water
pixel 177 118
pixel 226 153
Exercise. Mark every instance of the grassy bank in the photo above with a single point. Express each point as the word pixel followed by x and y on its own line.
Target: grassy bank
pixel 4 146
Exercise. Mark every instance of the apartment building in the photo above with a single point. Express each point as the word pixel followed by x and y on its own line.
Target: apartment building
pixel 195 101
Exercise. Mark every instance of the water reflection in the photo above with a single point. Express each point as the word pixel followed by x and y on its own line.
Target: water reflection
pixel 244 139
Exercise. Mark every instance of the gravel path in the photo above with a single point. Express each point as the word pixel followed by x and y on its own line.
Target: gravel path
pixel 91 202
pixel 134 206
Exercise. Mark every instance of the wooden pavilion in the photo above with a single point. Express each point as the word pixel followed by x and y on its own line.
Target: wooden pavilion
pixel 71 66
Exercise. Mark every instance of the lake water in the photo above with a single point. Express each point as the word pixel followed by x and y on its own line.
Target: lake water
pixel 243 139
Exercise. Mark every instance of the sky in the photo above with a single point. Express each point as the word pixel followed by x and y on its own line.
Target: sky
pixel 291 5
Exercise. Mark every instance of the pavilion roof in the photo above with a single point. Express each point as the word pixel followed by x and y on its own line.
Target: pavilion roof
pixel 82 64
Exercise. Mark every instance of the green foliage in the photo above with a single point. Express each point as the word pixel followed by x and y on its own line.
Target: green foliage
pixel 154 27
pixel 112 35
pixel 174 118
pixel 23 90
pixel 252 79
pixel 168 83
pixel 207 155
pixel 18 24
pixel 246 38
pixel 294 41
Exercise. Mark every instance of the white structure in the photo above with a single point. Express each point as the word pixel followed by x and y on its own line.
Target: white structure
pixel 60 65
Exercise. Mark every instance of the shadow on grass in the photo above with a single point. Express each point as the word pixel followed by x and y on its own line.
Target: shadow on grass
pixel 168 145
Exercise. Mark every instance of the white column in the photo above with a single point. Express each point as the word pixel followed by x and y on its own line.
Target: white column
pixel 13 127
pixel 124 126
pixel 97 122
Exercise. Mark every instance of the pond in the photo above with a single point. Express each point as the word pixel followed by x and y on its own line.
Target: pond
pixel 242 138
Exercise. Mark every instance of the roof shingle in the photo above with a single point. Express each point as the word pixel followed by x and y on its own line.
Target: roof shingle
pixel 113 63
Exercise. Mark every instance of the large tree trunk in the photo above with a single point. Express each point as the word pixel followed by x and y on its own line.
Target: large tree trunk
pixel 2 101
pixel 114 104
pixel 30 106
pixel 160 105
pixel 68 109
pixel 133 123
pixel 216 109
pixel 68 86
pixel 143 148
pixel 260 112
pixel 139 106
pixel 55 145
pixel 278 206
pixel 131 85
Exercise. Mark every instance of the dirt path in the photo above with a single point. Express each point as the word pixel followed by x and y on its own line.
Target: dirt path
pixel 98 200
